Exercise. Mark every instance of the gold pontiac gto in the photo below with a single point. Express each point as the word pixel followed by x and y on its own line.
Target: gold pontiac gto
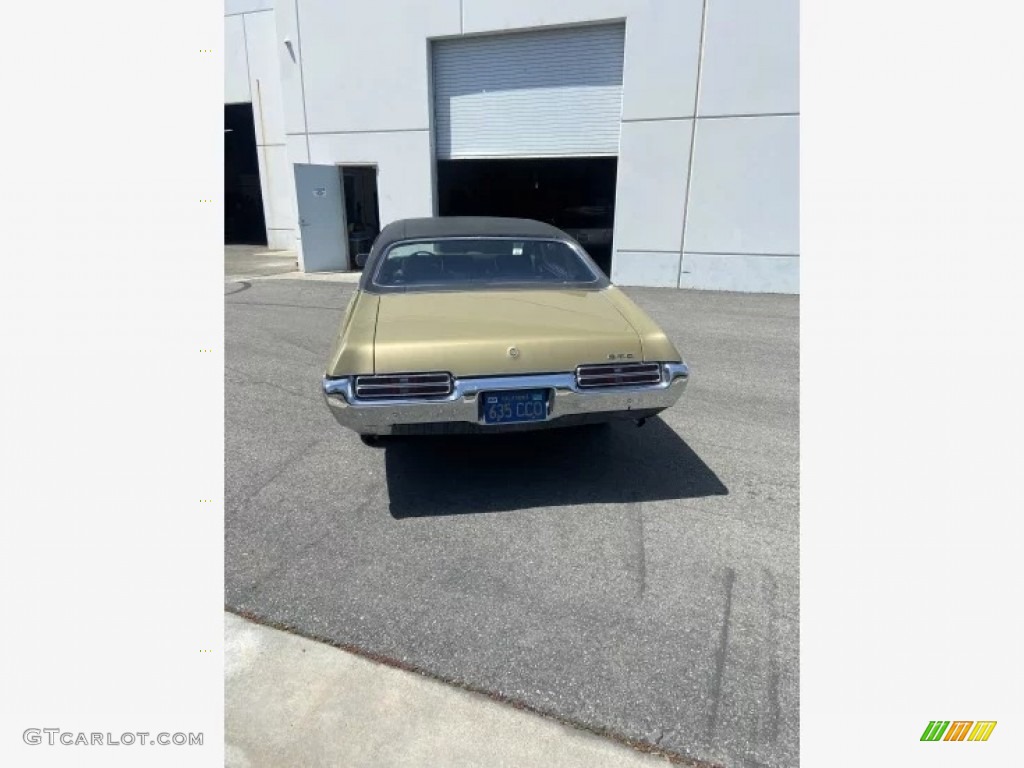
pixel 473 324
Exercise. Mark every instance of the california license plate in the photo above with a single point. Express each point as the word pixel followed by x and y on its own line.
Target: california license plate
pixel 514 405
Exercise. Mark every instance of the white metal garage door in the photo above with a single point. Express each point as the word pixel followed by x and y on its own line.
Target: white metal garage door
pixel 553 92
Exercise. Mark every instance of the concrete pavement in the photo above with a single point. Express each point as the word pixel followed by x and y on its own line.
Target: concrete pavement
pixel 292 701
pixel 243 261
pixel 250 262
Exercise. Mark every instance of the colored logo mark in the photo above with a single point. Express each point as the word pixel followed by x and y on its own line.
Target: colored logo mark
pixel 958 730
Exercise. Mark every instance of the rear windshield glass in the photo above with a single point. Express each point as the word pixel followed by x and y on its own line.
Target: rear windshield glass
pixel 472 262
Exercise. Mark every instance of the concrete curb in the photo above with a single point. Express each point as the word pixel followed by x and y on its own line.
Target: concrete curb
pixel 291 700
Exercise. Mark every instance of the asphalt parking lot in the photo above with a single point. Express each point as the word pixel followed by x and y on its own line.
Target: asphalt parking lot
pixel 640 582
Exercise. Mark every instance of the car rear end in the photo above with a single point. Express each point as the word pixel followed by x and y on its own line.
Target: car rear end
pixel 442 345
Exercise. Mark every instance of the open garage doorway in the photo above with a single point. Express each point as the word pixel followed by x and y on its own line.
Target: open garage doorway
pixel 575 194
pixel 244 222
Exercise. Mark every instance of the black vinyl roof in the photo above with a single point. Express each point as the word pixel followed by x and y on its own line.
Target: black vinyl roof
pixel 464 226
pixel 454 226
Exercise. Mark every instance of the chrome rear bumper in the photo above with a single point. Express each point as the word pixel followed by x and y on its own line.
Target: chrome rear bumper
pixel 568 403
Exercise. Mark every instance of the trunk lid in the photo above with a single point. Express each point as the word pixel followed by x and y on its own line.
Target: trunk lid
pixel 470 333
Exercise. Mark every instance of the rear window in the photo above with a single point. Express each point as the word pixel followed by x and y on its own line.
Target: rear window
pixel 475 262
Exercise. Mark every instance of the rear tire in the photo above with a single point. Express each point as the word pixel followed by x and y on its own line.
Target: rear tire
pixel 372 441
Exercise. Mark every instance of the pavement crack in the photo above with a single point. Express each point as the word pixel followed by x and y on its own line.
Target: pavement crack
pixel 245 285
pixel 315 353
pixel 251 380
pixel 278 471
pixel 266 576
pixel 771 599
pixel 642 559
pixel 720 654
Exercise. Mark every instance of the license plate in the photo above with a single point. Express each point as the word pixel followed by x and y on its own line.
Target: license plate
pixel 513 406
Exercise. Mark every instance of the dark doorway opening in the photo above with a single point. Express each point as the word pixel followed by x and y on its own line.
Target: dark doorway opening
pixel 362 211
pixel 244 222
pixel 575 194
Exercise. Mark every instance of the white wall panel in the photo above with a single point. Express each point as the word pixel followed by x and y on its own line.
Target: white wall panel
pixel 529 94
pixel 365 63
pixel 645 268
pixel 497 15
pixel 651 185
pixel 297 150
pixel 662 50
pixel 404 167
pixel 236 72
pixel 248 6
pixel 278 186
pixel 741 272
pixel 268 111
pixel 281 240
pixel 289 68
pixel 744 190
pixel 751 57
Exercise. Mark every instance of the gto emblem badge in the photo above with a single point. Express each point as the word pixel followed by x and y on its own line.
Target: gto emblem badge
pixel 620 356
pixel 513 352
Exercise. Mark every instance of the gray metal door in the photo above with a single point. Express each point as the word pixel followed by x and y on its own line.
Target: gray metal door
pixel 323 240
pixel 553 92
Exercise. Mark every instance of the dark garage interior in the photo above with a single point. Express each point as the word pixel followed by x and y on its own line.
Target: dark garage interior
pixel 362 208
pixel 576 194
pixel 243 201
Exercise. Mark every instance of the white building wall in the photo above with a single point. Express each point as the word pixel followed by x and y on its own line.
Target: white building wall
pixel 707 187
pixel 742 222
pixel 404 167
pixel 252 74
pixel 236 63
pixel 246 6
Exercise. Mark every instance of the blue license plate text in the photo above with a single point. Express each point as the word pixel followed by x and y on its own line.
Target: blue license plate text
pixel 514 405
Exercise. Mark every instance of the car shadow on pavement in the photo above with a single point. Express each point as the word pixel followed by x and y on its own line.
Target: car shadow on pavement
pixel 616 463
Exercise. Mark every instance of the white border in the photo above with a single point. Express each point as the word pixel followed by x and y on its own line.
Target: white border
pixel 112 426
pixel 911 313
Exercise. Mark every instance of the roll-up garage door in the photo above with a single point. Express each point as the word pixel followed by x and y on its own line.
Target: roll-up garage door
pixel 555 92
